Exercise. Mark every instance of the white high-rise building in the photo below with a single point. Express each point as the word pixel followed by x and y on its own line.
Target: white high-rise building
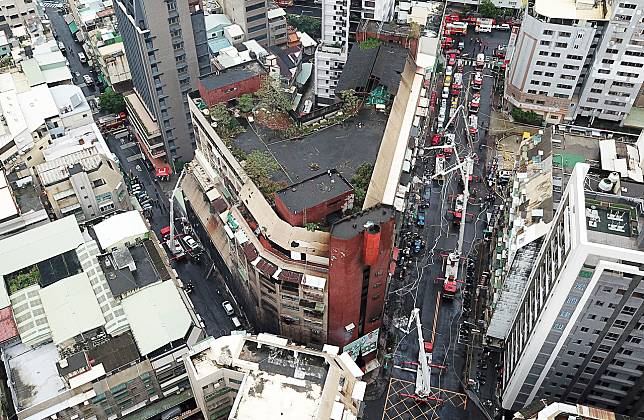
pixel 578 58
pixel 333 49
pixel 577 333
pixel 380 10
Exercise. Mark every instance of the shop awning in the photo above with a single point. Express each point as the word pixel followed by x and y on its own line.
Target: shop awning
pixel 73 27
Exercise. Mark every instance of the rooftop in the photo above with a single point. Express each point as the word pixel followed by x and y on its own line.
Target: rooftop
pixel 71 307
pixel 118 351
pixel 313 191
pixel 281 380
pixel 384 63
pixel 353 225
pixel 8 328
pixel 157 316
pixel 69 99
pixel 33 374
pixel 232 75
pixel 572 9
pixel 57 170
pixel 343 147
pixel 75 139
pixel 119 227
pixel 129 269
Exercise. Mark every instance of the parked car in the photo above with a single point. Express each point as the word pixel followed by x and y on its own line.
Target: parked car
pixel 88 80
pixel 228 307
pixel 192 244
pixel 420 218
pixel 445 93
pixel 236 323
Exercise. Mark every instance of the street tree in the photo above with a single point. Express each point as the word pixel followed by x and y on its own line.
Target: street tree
pixel 246 103
pixel 489 10
pixel 112 102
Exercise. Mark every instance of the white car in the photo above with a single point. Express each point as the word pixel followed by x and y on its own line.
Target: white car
pixel 449 71
pixel 443 105
pixel 228 307
pixel 445 94
pixel 189 240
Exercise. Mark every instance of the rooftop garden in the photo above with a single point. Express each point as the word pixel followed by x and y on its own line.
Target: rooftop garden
pixel 23 278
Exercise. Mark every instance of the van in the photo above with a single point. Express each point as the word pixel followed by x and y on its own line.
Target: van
pixel 82 58
pixel 236 322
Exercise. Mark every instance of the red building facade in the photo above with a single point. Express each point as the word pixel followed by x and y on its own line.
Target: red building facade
pixel 360 251
pixel 231 83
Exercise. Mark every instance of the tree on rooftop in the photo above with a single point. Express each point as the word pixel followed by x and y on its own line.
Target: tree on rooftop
pixel 360 181
pixel 227 126
pixel 489 10
pixel 414 30
pixel 245 103
pixel 369 43
pixel 272 98
pixel 260 166
pixel 349 99
pixel 307 24
pixel 112 102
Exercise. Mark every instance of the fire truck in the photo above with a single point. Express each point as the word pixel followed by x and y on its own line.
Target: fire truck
pixel 451 275
pixel 478 81
pixel 456 28
pixel 475 103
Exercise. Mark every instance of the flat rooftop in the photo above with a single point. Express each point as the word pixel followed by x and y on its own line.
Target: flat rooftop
pixel 343 147
pixel 33 374
pixel 572 9
pixel 148 268
pixel 313 191
pixel 118 351
pixel 353 225
pixel 232 75
pixel 382 64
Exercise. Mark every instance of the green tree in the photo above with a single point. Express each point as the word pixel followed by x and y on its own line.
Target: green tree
pixel 369 43
pixel 414 30
pixel 246 103
pixel 260 166
pixel 307 24
pixel 349 99
pixel 271 98
pixel 526 117
pixel 227 126
pixel 360 181
pixel 489 10
pixel 112 102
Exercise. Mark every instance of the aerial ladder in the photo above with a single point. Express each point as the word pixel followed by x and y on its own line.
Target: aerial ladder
pixel 466 168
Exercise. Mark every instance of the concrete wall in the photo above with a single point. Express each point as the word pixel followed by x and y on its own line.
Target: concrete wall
pixel 228 92
pixel 313 214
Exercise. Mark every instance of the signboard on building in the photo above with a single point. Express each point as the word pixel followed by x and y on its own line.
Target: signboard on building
pixel 362 345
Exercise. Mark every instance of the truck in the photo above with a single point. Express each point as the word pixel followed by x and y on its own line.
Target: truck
pixel 456 28
pixel 457 83
pixel 480 60
pixel 475 103
pixel 450 267
pixel 478 81
pixel 484 25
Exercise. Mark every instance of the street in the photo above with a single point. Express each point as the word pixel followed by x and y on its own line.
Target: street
pixel 442 318
pixel 208 290
pixel 64 35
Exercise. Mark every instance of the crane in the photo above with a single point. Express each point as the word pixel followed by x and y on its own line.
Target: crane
pixel 423 388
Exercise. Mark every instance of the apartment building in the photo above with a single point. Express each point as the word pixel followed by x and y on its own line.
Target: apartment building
pixel 577 59
pixel 277 32
pixel 577 332
pixel 251 16
pixel 82 336
pixel 303 261
pixel 167 51
pixel 20 18
pixel 238 376
pixel 544 410
pixel 333 49
pixel 379 10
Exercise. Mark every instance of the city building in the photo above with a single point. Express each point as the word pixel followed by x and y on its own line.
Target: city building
pixel 86 183
pixel 251 16
pixel 231 83
pixel 576 334
pixel 167 51
pixel 34 116
pixel 20 18
pixel 544 410
pixel 333 49
pixel 576 59
pixel 85 334
pixel 45 64
pixel 389 32
pixel 215 24
pixel 304 259
pixel 378 10
pixel 20 205
pixel 5 45
pixel 277 31
pixel 238 376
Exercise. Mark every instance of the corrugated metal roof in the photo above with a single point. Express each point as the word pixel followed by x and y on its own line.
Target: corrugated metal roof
pixel 157 316
pixel 71 307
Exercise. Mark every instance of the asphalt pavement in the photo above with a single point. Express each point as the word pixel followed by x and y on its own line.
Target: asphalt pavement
pixel 208 289
pixel 442 318
pixel 72 47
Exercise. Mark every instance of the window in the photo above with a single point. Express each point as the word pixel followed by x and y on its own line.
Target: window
pixel 532 91
pixel 615 103
pixel 255 7
pixel 607 61
pixel 612 336
pixel 546 83
pixel 593 100
pixel 561 44
pixel 555 55
pixel 564 34
pixel 560 95
pixel 631 64
pixel 552 64
pixel 595 90
pixel 625 74
pixel 256 28
pixel 604 348
pixel 534 82
pixel 256 17
pixel 624 84
pixel 627 5
pixel 570 67
pixel 611 51
pixel 584 329
pixel 557 326
pixel 544 43
pixel 565 314
pixel 603 71
pixel 574 57
pixel 172 5
pixel 538 73
pixel 599 303
pixel 572 301
pixel 547 32
pixel 548 74
pixel 541 63
pixel 562 86
pixel 591 316
pixel 98 182
pixel 543 52
pixel 600 81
